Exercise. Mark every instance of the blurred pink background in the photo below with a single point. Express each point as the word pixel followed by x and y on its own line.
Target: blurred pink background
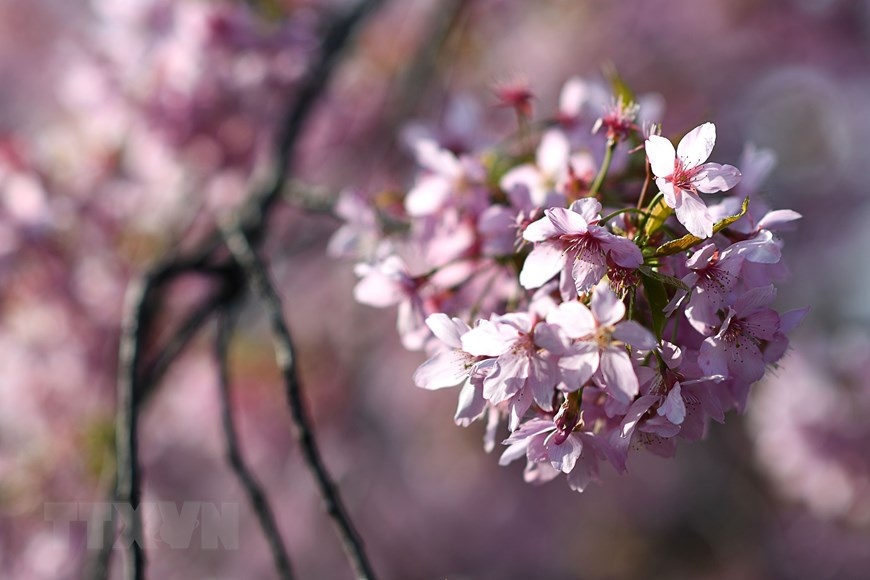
pixel 125 125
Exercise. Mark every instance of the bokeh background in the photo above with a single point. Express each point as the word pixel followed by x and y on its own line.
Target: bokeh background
pixel 126 126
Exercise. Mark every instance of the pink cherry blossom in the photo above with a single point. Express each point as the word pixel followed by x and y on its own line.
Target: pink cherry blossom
pixel 599 343
pixel 735 351
pixel 682 173
pixel 387 283
pixel 571 243
pixel 524 372
pixel 576 455
pixel 714 274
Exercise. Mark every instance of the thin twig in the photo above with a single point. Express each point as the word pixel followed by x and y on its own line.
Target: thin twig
pixel 256 496
pixel 257 275
pixel 186 331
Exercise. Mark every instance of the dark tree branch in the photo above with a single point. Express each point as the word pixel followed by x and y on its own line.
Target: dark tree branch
pixel 138 316
pixel 230 288
pixel 256 496
pixel 135 321
pixel 257 276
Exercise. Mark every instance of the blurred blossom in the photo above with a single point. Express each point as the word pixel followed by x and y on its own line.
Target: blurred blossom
pixel 810 427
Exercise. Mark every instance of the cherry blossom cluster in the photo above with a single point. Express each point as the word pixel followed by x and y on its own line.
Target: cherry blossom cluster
pixel 565 297
pixel 575 285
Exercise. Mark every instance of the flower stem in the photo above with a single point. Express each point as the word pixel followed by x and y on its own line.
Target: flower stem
pixel 645 186
pixel 610 216
pixel 605 166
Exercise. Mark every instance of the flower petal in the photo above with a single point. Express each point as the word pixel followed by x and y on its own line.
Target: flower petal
pixel 776 219
pixel 579 366
pixel 575 93
pixel 446 369
pixel 672 196
pixel 506 379
pixel 587 274
pixel 545 261
pixel 714 177
pixel 565 455
pixel 440 161
pixel 471 405
pixel 553 152
pixel 551 338
pixel 661 155
pixel 711 358
pixel 607 308
pixel 429 195
pixel 589 208
pixel 527 177
pixel 753 299
pixel 489 339
pixel 621 250
pixel 573 318
pixel 632 333
pixel 619 377
pixel 566 221
pixel 540 230
pixel 761 249
pixel 674 408
pixel 693 214
pixel 695 148
pixel 543 376
pixel 448 330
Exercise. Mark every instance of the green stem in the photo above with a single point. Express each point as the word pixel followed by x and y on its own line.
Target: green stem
pixel 645 186
pixel 605 167
pixel 610 216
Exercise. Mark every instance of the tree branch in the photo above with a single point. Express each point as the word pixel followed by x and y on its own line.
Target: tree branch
pixel 128 489
pixel 257 275
pixel 256 496
pixel 138 316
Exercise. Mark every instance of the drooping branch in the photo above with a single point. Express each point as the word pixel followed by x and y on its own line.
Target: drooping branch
pixel 256 496
pixel 137 320
pixel 257 276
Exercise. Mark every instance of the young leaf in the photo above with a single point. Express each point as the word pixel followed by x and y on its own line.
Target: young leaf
pixel 658 215
pixel 689 241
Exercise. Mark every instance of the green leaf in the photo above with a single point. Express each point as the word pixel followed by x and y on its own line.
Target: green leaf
pixel 689 241
pixel 658 215
pixel 657 296
pixel 663 278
